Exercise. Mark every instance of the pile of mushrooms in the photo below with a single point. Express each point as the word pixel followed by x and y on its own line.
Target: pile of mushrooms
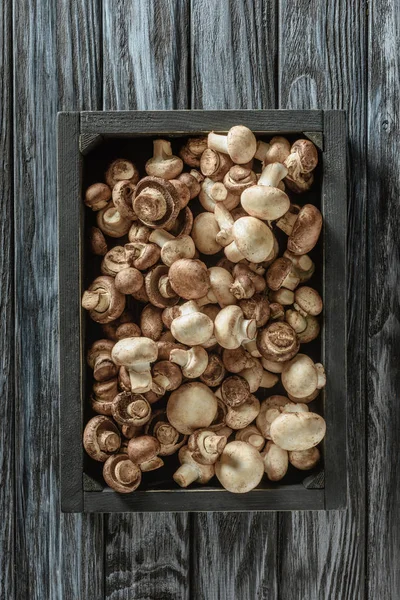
pixel 225 313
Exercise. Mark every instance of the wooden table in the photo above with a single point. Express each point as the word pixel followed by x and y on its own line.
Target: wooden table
pixel 158 54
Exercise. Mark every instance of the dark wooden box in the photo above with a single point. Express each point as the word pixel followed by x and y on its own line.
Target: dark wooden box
pixel 87 142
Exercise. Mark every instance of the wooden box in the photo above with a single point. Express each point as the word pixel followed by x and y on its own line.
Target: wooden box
pixel 87 142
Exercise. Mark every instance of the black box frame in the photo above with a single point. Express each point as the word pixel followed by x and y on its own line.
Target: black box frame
pixel 78 134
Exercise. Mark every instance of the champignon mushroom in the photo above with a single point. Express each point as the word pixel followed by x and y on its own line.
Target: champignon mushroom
pixel 212 192
pixel 277 150
pixel 142 256
pixel 242 269
pixel 183 193
pixel 121 169
pixel 143 448
pixel 167 376
pixel 163 164
pixel 270 409
pixel 237 359
pixel 295 320
pixel 239 417
pixel 139 233
pixel 189 278
pixel 238 179
pixel 136 354
pixel 191 152
pixel 221 282
pixel 169 438
pixel 301 377
pixel 192 327
pixel 193 181
pixel 311 332
pixel 172 248
pixel 281 273
pixel 278 342
pixel 206 446
pixel 121 474
pixel 190 407
pixel 302 184
pixel 303 226
pixel 159 289
pixel 231 328
pixel 103 301
pixel 265 200
pixel 190 470
pixel 302 160
pixel 225 223
pixel 114 261
pixel 101 438
pixel 272 365
pixel 242 287
pixel 99 359
pixel 303 264
pixel 151 322
pixel 252 436
pixel 156 202
pixel 214 164
pixel 131 409
pixel 110 329
pixel 122 196
pixel 193 361
pixel 256 308
pixel 253 240
pixel 240 467
pixel 298 430
pixel 283 297
pixel 234 391
pixel 304 460
pixel 98 244
pixel 129 280
pixel 257 377
pixel 111 222
pixel 240 144
pixel 276 461
pixel 152 465
pixel 307 301
pixel 97 196
pixel 102 396
pixel 215 371
pixel 277 311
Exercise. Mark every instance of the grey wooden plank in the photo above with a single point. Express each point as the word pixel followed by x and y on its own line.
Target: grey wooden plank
pixel 145 56
pixel 56 58
pixel 383 574
pixel 145 67
pixel 323 64
pixel 234 52
pixel 7 498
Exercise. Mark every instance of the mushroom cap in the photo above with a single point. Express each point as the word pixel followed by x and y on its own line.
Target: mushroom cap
pixel 189 278
pixel 278 342
pixel 165 347
pixel 129 351
pixel 307 155
pixel 131 409
pixel 253 238
pixel 156 202
pixel 308 301
pixel 214 164
pixel 152 465
pixel 235 391
pixel 215 371
pixel 114 261
pixel 191 152
pixel 276 461
pixel 301 184
pixel 202 454
pixel 298 430
pixel 190 407
pixel 183 191
pixel 151 322
pixel 142 256
pixel 92 438
pixel 204 232
pixel 256 307
pixel 97 196
pixel 111 222
pixel 103 394
pixel 265 202
pixel 239 178
pixel 193 182
pixel 143 448
pixel 221 281
pixel 116 300
pixel 242 144
pixel 192 329
pixel 304 460
pixel 164 164
pixel 300 377
pixel 306 230
pixel 152 282
pixel 277 273
pixel 311 331
pixel 240 467
pixel 121 169
pixel 182 247
pixel 265 416
pixel 121 474
pixel 139 233
pixel 98 244
pixel 127 330
pixel 129 280
pixel 239 417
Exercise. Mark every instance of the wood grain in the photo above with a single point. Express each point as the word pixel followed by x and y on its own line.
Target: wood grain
pixel 322 64
pixel 233 66
pixel 52 71
pixel 383 465
pixel 145 67
pixel 7 310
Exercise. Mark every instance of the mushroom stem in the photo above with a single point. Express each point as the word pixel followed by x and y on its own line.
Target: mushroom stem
pixel 160 237
pixel 286 223
pixel 179 357
pixel 140 381
pixel 262 150
pixel 247 329
pixel 162 149
pixel 160 384
pixel 225 222
pixel 95 300
pixel 165 288
pixel 218 142
pixel 232 252
pixel 272 175
pixel 109 441
pixel 251 348
pixel 186 474
pixel 126 472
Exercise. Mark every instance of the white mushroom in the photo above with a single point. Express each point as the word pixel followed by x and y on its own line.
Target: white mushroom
pixel 136 354
pixel 240 467
pixel 298 430
pixel 276 461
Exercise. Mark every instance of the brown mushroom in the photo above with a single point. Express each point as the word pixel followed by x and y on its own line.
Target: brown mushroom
pixel 159 288
pixel 110 329
pixel 131 409
pixel 103 301
pixel 121 169
pixel 165 347
pixel 98 244
pixel 231 328
pixel 190 470
pixel 122 195
pixel 111 222
pixel 167 376
pixel 126 330
pixel 101 438
pixel 277 150
pixel 99 359
pixel 97 196
pixel 129 280
pixel 303 264
pixel 172 248
pixel 278 342
pixel 295 320
pixel 235 391
pixel 252 436
pixel 215 371
pixel 192 150
pixel 239 417
pixel 238 179
pixel 240 144
pixel 121 474
pixel 302 184
pixel 206 446
pixel 152 465
pixel 136 354
pixel 183 192
pixel 183 223
pixel 102 396
pixel 142 256
pixel 114 261
pixel 193 361
pixel 311 332
pixel 151 322
pixel 303 159
pixel 189 278
pixel 242 287
pixel 257 377
pixel 281 273
pixel 256 308
pixel 143 448
pixel 169 438
pixel 190 407
pixel 277 311
pixel 236 360
pixel 307 301
pixel 205 229
pixel 283 296
pixel 163 164
pixel 156 202
pixel 193 181
pixel 240 467
pixel 139 233
pixel 265 200
pixel 303 226
pixel 304 460
pixel 214 164
pixel 242 269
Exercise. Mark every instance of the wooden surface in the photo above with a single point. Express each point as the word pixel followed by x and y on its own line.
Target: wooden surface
pixel 147 54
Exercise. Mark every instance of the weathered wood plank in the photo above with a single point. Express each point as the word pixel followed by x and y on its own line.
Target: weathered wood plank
pixel 145 67
pixel 383 574
pixel 322 64
pixel 56 58
pixel 233 66
pixel 7 310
